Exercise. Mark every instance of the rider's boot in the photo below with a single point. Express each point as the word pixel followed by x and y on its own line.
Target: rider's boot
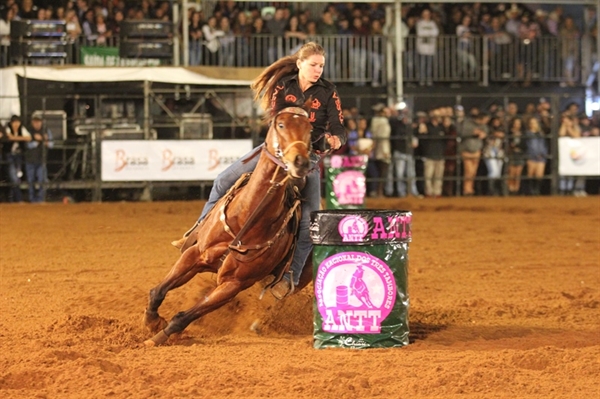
pixel 284 287
pixel 179 242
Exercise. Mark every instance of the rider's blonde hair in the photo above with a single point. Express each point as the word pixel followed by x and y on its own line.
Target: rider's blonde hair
pixel 264 85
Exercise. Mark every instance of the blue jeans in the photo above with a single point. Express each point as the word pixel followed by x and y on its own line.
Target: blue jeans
pixel 36 178
pixel 311 202
pixel 15 171
pixel 425 68
pixel 405 174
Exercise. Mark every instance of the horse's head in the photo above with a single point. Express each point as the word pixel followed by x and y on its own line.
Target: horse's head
pixel 289 140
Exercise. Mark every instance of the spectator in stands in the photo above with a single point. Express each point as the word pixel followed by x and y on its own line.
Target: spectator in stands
pixel 548 51
pixel 59 13
pixel 381 129
pixel 363 143
pixel 527 62
pixel 276 27
pixel 499 44
pixel 35 160
pixel 89 26
pixel 257 56
pixel 8 15
pixel 28 10
pixel 327 27
pixel 569 44
pixel 82 8
pixel 433 145
pixel 73 26
pixel 513 22
pixel 42 14
pixel 569 127
pixel 196 37
pixel 516 155
pixel 146 9
pixel 555 21
pixel 544 115
pixel 403 164
pixel 358 62
pixel 14 146
pixel 227 51
pixel 294 35
pixel 242 30
pixel 212 35
pixel 114 23
pixel 427 33
pixel 467 64
pixel 452 119
pixel 104 32
pixel 537 154
pixel 472 134
pixel 493 156
pixel 377 51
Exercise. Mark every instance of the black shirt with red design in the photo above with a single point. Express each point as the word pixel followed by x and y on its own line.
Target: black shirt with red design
pixel 325 111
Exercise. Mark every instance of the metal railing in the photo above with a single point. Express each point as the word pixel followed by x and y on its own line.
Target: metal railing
pixel 363 59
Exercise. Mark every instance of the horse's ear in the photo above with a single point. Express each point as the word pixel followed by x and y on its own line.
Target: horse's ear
pixel 307 104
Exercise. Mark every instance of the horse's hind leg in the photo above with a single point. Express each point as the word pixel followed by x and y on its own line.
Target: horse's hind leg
pixel 222 294
pixel 185 268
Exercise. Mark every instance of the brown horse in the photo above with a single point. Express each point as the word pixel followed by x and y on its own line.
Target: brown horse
pixel 250 232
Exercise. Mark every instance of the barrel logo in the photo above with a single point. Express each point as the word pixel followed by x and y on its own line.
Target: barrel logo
pixel 353 228
pixel 354 292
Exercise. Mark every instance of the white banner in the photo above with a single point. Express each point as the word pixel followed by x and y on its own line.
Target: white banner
pixel 169 160
pixel 579 157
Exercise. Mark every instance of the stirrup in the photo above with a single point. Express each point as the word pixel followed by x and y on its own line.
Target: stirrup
pixel 283 287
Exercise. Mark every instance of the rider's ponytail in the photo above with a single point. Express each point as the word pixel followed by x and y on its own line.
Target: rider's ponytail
pixel 265 84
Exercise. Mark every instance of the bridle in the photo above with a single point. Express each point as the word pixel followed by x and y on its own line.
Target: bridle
pixel 278 157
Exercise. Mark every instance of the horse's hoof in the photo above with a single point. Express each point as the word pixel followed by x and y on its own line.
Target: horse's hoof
pixel 154 324
pixel 158 339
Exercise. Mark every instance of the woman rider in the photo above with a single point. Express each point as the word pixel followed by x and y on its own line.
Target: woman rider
pixel 290 81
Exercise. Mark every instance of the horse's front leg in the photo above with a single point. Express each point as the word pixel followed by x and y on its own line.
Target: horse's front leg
pixel 219 296
pixel 186 267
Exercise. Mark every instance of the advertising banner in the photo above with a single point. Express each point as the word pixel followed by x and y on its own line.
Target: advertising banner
pixel 169 160
pixel 109 56
pixel 345 183
pixel 579 157
pixel 360 272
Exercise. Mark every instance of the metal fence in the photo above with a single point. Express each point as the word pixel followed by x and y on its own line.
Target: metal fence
pixel 362 60
pixel 74 163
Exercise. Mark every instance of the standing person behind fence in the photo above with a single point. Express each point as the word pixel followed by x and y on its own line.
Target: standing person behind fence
pixel 569 127
pixel 537 154
pixel 451 126
pixel 290 81
pixel 380 127
pixel 516 155
pixel 403 164
pixel 14 146
pixel 427 34
pixel 569 39
pixel 433 145
pixel 493 156
pixel 35 160
pixel 472 134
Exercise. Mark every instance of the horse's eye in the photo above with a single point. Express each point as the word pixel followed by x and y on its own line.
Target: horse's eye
pixel 280 125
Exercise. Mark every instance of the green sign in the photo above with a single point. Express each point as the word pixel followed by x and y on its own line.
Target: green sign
pixel 109 56
pixel 360 272
pixel 345 184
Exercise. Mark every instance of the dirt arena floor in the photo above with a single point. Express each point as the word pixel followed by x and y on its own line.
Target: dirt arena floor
pixel 504 303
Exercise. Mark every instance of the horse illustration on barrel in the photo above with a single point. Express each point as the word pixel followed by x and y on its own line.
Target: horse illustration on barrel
pixel 250 233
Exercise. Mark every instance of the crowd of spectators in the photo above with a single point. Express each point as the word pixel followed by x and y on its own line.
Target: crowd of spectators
pixel 213 30
pixel 450 151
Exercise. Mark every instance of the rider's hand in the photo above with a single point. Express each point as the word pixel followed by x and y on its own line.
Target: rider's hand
pixel 333 141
